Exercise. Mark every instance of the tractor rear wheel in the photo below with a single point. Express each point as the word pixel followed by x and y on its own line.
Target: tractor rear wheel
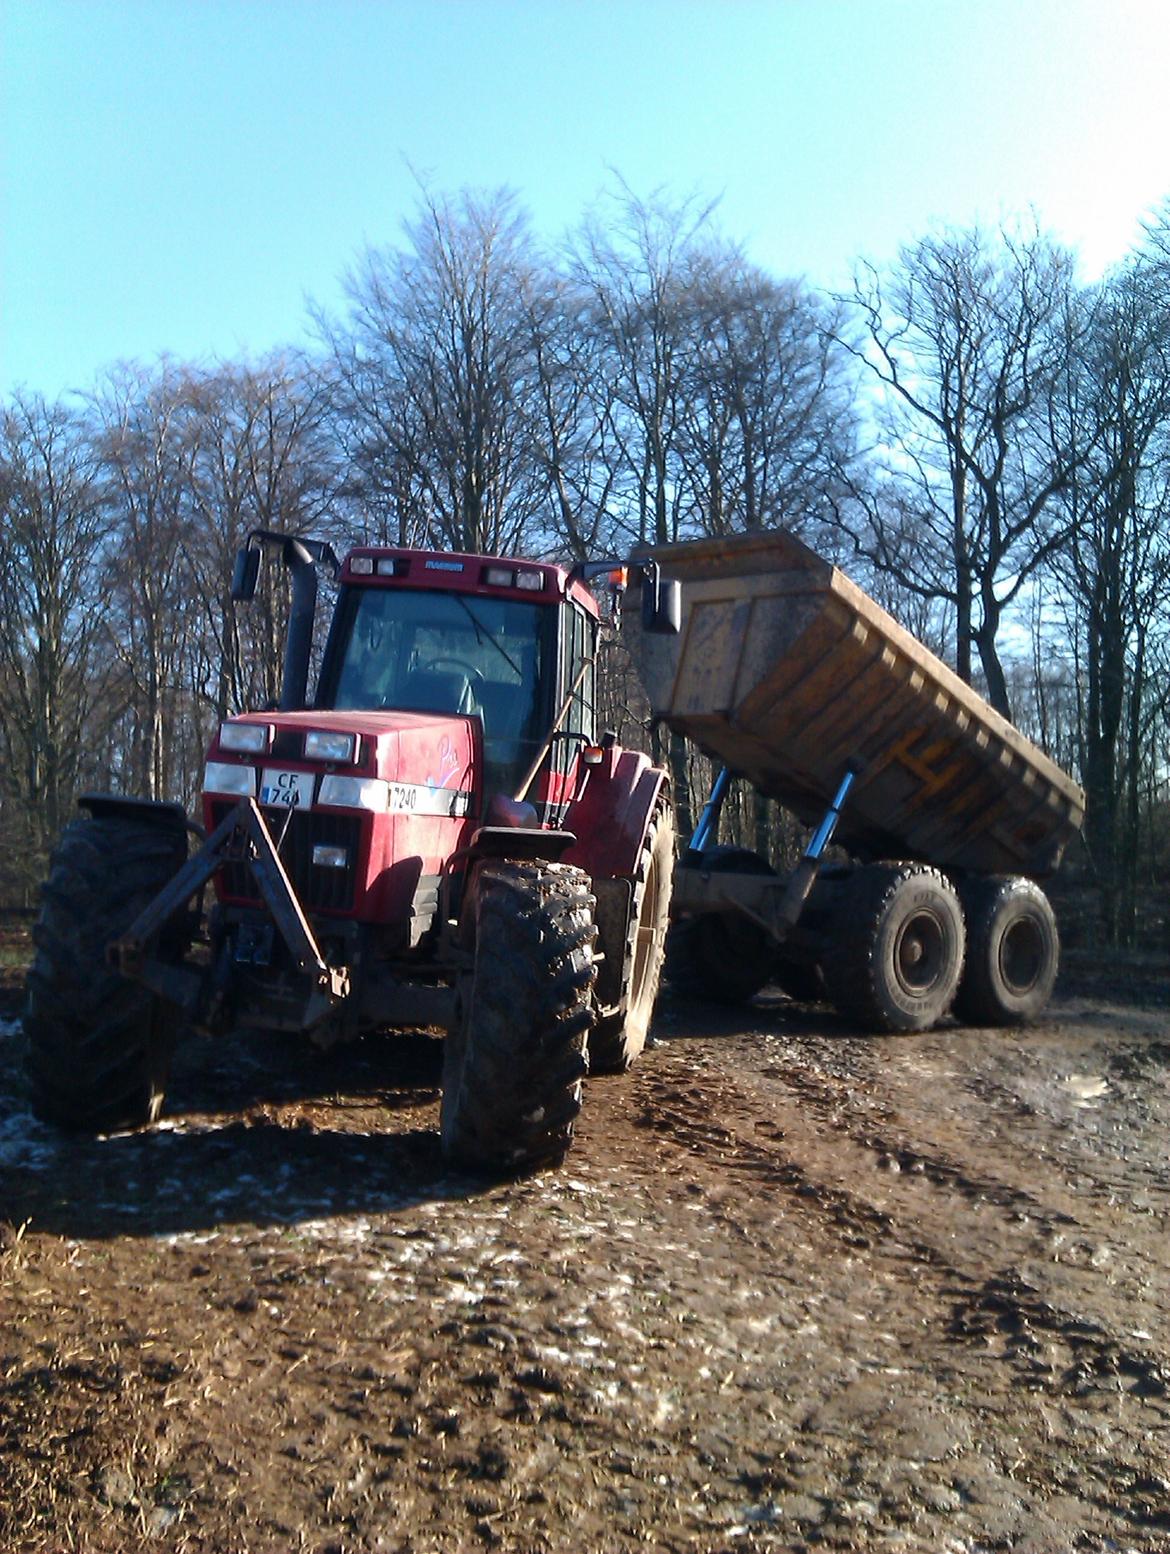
pixel 722 957
pixel 516 1054
pixel 899 948
pixel 99 1046
pixel 1013 952
pixel 630 973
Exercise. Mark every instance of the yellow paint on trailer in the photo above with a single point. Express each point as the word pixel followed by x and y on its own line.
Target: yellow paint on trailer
pixel 787 672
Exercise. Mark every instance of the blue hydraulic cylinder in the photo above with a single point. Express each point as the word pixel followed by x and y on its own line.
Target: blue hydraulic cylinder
pixel 803 877
pixel 824 832
pixel 709 819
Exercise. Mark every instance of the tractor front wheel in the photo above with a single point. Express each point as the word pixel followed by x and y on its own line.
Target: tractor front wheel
pixel 516 1054
pixel 99 1046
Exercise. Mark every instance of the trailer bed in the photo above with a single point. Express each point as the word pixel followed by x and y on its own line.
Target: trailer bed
pixel 788 673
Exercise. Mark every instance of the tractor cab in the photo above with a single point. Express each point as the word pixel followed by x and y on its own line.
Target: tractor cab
pixel 499 641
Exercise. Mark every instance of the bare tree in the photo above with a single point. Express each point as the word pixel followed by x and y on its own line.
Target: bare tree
pixel 967 342
pixel 767 418
pixel 143 443
pixel 261 455
pixel 633 270
pixel 379 438
pixel 1115 568
pixel 435 376
pixel 633 267
pixel 50 612
pixel 573 411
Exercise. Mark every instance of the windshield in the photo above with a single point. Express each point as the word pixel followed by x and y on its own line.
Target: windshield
pixel 427 651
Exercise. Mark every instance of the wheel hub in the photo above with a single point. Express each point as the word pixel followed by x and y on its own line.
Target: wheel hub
pixel 919 953
pixel 1021 955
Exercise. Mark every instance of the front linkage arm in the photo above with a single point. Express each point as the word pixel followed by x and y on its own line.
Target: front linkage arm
pixel 241 836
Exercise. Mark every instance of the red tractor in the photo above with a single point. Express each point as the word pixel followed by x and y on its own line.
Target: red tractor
pixel 440 839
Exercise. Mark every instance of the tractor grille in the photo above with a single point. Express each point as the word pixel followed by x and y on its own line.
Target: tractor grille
pixel 319 890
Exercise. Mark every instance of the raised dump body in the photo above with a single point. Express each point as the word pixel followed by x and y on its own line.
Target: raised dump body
pixel 786 672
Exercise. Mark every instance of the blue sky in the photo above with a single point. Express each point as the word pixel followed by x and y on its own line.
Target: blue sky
pixel 181 175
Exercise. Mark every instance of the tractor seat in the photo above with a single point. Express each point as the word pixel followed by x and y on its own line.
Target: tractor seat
pixel 505 708
pixel 430 690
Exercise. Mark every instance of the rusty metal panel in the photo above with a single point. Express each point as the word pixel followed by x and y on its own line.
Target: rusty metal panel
pixel 787 672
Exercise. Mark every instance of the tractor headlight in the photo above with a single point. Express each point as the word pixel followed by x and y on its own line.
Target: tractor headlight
pixel 321 745
pixel 225 777
pixel 245 738
pixel 355 793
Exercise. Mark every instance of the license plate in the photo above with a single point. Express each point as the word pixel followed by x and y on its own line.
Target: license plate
pixel 286 790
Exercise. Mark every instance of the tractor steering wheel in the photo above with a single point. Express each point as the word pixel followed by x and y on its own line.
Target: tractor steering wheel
pixel 448 661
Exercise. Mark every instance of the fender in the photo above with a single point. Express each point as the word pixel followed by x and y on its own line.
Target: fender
pixel 521 842
pixel 610 817
pixel 156 811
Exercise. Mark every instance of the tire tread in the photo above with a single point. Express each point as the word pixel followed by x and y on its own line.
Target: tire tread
pixel 514 1064
pixel 96 1054
pixel 859 990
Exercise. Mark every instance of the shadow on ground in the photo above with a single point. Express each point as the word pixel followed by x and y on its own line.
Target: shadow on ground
pixel 259 1130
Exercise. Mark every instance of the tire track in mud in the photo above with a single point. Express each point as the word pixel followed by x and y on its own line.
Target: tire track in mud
pixel 1079 1166
pixel 671 1108
pixel 999 1312
pixel 939 1169
pixel 989 1313
pixel 735 1320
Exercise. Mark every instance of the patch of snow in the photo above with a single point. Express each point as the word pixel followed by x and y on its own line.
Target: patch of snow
pixel 25 1142
pixel 551 1355
pixel 1086 1088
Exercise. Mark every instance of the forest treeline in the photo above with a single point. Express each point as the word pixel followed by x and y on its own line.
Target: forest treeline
pixel 982 440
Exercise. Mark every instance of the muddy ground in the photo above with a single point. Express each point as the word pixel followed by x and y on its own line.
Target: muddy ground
pixel 795 1289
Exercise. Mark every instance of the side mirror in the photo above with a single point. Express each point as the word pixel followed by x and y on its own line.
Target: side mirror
pixel 246 574
pixel 661 604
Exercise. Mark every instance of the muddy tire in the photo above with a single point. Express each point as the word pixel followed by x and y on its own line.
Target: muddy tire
pixel 721 957
pixel 1013 952
pixel 899 948
pixel 516 1054
pixel 634 955
pixel 99 1047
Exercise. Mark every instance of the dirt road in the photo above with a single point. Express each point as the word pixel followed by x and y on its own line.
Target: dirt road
pixel 796 1289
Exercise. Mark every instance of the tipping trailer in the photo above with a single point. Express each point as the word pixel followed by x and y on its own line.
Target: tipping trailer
pixel 789 675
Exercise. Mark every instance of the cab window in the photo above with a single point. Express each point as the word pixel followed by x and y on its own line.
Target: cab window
pixel 422 650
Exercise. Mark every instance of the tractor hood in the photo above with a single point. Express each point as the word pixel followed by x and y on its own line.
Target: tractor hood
pixel 415 763
pixel 367 808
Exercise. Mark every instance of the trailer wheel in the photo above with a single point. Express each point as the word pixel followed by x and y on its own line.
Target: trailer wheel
pixel 899 948
pixel 516 1054
pixel 99 1047
pixel 1013 952
pixel 722 957
pixel 632 970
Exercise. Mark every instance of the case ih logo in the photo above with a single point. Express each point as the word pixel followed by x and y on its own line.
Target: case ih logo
pixel 448 764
